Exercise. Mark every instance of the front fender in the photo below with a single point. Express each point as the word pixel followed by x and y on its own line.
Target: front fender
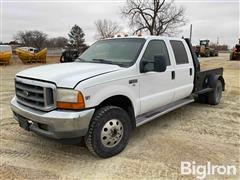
pixel 97 94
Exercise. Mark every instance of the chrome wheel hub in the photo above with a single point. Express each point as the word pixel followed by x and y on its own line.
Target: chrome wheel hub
pixel 112 133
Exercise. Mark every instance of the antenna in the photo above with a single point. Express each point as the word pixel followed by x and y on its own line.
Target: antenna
pixel 190 33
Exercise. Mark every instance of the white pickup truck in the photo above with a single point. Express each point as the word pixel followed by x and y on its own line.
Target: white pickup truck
pixel 113 87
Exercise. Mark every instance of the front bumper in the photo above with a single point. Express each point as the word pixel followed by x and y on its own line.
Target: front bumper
pixel 57 124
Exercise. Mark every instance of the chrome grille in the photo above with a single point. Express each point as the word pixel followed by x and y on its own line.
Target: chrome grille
pixel 35 94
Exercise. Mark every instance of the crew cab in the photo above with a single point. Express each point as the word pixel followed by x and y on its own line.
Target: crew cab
pixel 115 86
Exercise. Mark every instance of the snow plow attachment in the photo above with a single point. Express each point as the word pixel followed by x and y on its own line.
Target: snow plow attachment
pixel 29 57
pixel 5 54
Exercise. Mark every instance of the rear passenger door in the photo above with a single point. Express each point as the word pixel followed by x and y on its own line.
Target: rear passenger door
pixel 184 70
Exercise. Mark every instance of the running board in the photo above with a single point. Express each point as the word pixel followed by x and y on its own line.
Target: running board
pixel 203 91
pixel 149 116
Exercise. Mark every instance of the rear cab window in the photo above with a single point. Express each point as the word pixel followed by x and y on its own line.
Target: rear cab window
pixel 179 51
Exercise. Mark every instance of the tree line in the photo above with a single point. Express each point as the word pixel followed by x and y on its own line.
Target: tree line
pixel 154 17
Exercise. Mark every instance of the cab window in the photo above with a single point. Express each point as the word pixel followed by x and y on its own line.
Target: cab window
pixel 179 51
pixel 154 48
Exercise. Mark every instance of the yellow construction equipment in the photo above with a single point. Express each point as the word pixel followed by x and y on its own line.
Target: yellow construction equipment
pixel 30 57
pixel 205 50
pixel 5 54
pixel 235 52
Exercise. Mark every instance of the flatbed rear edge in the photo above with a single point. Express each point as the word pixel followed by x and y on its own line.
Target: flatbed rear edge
pixel 206 79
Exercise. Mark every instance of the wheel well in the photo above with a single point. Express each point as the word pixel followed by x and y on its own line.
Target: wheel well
pixel 222 81
pixel 212 81
pixel 122 102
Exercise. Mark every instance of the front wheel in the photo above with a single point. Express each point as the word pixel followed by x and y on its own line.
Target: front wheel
pixel 108 132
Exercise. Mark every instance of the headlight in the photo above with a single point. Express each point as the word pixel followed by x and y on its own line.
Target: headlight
pixel 70 99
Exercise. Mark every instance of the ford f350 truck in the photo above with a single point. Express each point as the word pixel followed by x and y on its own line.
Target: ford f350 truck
pixel 115 86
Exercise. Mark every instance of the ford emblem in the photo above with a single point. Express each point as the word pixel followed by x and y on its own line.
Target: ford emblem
pixel 25 93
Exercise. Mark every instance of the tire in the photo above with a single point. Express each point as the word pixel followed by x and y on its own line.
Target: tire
pixel 202 98
pixel 108 132
pixel 207 54
pixel 211 54
pixel 232 57
pixel 62 59
pixel 215 96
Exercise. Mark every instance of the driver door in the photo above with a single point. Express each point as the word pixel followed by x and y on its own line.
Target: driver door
pixel 156 88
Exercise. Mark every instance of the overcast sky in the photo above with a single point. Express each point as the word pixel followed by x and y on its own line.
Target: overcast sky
pixel 211 19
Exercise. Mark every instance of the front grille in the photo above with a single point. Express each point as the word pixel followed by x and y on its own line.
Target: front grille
pixel 35 94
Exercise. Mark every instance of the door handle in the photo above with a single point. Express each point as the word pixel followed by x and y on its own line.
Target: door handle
pixel 132 81
pixel 173 74
pixel 190 71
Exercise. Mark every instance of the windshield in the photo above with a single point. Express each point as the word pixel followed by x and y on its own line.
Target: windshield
pixel 5 48
pixel 203 42
pixel 122 52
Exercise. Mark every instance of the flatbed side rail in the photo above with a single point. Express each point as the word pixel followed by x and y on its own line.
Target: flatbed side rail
pixel 204 80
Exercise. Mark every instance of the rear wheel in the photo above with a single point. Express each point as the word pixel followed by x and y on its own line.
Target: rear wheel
pixel 202 98
pixel 207 54
pixel 212 54
pixel 109 131
pixel 215 96
pixel 231 56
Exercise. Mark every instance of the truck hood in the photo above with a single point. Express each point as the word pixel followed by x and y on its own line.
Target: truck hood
pixel 68 74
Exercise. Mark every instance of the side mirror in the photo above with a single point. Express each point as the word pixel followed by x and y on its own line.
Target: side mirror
pixel 160 64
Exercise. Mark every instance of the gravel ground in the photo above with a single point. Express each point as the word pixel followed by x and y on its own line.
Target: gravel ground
pixel 196 132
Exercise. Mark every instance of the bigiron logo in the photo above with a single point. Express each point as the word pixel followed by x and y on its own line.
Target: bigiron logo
pixel 202 171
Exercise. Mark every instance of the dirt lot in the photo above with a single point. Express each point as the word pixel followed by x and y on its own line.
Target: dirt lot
pixel 196 132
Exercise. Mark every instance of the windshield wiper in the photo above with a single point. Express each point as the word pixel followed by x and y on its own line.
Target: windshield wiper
pixel 80 60
pixel 103 61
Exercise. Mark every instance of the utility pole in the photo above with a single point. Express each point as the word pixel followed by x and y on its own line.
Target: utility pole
pixel 191 33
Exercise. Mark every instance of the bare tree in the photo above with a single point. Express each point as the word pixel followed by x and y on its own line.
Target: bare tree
pixel 106 28
pixel 59 42
pixel 31 38
pixel 158 17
